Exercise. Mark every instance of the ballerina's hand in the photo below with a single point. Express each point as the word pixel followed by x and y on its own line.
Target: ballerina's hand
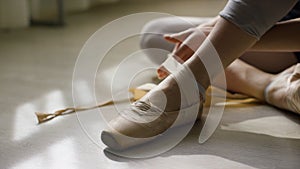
pixel 186 43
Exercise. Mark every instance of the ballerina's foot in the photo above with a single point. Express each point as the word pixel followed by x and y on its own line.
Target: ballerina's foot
pixel 284 90
pixel 149 117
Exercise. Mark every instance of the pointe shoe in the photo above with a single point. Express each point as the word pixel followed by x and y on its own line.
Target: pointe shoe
pixel 284 91
pixel 143 121
pixel 126 133
pixel 293 98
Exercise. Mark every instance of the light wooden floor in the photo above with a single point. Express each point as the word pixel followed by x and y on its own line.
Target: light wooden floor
pixel 36 67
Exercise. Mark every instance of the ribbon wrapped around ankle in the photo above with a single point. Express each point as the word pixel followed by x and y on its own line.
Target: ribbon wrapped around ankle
pixel 210 59
pixel 173 66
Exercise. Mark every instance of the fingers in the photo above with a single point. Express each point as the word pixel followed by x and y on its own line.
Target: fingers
pixel 162 72
pixel 179 37
pixel 187 42
pixel 188 47
pixel 183 53
pixel 177 45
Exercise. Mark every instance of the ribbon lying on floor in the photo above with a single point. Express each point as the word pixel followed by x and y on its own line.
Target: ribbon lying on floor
pixel 43 117
pixel 137 93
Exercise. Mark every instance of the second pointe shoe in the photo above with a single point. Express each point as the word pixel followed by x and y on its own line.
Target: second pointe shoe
pixel 284 90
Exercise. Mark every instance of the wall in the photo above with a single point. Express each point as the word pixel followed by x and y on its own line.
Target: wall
pixel 14 13
pixel 17 13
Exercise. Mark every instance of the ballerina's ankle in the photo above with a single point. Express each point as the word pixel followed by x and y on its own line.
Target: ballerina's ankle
pixel 182 74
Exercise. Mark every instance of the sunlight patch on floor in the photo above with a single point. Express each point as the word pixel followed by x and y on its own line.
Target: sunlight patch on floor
pixel 25 123
pixel 60 155
pixel 276 126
